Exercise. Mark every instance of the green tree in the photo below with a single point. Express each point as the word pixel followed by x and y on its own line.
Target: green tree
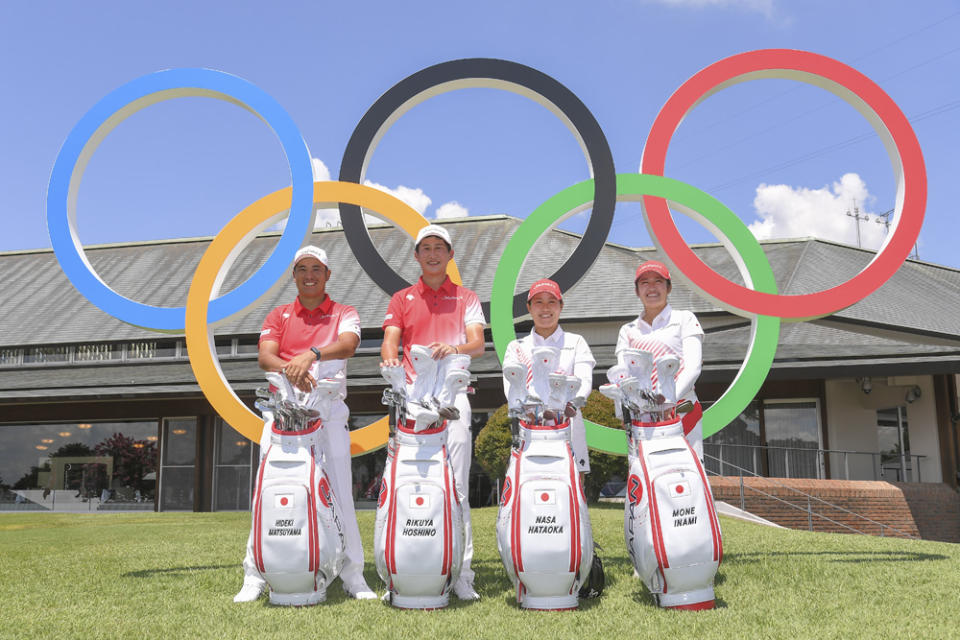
pixel 492 447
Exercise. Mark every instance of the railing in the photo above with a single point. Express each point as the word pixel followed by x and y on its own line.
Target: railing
pixel 803 462
pixel 810 500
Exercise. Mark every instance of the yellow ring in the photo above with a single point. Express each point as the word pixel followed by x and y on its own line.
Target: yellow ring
pixel 218 258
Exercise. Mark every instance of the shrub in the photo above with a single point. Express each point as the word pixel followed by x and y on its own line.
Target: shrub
pixel 492 447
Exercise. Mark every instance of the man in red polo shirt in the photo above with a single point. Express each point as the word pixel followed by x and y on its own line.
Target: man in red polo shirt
pixel 294 336
pixel 448 319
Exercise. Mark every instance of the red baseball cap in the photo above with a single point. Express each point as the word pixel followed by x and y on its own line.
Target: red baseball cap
pixel 652 265
pixel 545 285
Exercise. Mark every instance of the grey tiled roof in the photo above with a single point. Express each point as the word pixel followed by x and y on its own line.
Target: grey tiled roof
pixel 42 307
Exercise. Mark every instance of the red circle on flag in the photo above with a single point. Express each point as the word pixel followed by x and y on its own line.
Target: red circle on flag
pixel 544 497
pixel 284 501
pixel 419 502
pixel 679 488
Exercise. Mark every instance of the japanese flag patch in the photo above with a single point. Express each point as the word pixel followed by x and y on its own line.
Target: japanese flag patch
pixel 545 496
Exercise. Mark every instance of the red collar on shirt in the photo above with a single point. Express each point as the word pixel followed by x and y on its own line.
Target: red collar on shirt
pixel 321 309
pixel 446 286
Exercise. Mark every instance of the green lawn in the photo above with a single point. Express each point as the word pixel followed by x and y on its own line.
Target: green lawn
pixel 173 575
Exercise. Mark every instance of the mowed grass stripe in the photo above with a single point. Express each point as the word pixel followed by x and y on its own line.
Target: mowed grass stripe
pixel 171 575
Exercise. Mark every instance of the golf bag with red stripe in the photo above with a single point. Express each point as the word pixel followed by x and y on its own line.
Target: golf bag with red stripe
pixel 671 526
pixel 418 539
pixel 298 542
pixel 543 527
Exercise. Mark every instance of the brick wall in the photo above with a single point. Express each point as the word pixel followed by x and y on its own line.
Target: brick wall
pixel 931 511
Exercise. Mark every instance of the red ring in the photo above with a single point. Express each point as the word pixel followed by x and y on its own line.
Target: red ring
pixel 854 88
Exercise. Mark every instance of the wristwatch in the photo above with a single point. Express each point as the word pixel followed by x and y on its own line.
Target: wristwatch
pixel 316 352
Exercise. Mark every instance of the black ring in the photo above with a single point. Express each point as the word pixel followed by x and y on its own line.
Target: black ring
pixel 456 72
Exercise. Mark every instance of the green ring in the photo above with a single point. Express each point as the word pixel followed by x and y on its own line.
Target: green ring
pixel 708 211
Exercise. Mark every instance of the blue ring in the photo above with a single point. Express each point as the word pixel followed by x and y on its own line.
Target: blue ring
pixel 180 83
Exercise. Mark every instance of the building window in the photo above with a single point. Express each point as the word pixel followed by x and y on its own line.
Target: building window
pixel 773 438
pixel 60 353
pixel 232 464
pixel 177 468
pixel 85 467
pixel 893 440
pixel 96 352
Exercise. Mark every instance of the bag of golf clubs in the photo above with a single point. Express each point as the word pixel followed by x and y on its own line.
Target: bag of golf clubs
pixel 670 523
pixel 418 538
pixel 543 526
pixel 298 543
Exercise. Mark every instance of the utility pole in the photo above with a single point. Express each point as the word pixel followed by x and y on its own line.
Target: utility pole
pixel 884 219
pixel 856 216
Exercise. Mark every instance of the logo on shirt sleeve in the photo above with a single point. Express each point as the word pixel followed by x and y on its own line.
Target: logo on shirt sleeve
pixel 409 296
pixel 388 316
pixel 286 315
pixel 264 332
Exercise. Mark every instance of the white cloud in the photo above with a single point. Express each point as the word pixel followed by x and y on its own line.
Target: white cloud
pixel 788 212
pixel 416 198
pixel 325 217
pixel 451 210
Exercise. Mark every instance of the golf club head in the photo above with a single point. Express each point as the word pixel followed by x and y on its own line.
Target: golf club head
pixel 426 369
pixel 667 367
pixel 639 365
pixel 516 376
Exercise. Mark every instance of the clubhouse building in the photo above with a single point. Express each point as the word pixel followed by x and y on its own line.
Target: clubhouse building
pixel 98 415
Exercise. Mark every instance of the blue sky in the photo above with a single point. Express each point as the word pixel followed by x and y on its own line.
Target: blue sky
pixel 790 159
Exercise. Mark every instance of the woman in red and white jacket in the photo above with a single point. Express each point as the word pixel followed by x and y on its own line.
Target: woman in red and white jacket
pixel 662 330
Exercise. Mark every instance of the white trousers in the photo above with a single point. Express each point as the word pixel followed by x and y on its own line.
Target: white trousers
pixel 460 450
pixel 336 461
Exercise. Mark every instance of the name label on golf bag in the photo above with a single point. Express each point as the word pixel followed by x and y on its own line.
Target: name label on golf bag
pixel 298 541
pixel 418 542
pixel 543 527
pixel 671 526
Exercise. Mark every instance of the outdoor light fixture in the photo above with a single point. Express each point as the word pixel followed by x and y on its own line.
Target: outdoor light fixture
pixel 179 432
pixel 152 438
pixel 865 384
pixel 913 394
pixel 65 434
pixel 46 440
pixel 83 426
pixel 41 447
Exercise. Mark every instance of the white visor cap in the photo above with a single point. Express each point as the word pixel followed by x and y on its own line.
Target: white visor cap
pixel 433 230
pixel 311 252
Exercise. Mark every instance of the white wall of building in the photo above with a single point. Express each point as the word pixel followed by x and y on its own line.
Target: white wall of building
pixel 852 423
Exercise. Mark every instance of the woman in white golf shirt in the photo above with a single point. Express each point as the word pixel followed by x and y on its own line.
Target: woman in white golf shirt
pixel 663 330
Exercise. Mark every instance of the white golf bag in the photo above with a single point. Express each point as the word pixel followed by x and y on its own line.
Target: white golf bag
pixel 419 536
pixel 298 542
pixel 543 527
pixel 670 523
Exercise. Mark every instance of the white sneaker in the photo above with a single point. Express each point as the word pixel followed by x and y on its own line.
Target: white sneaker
pixel 359 590
pixel 465 590
pixel 250 591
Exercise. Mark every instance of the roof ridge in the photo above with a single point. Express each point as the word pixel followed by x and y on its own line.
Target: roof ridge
pixel 796 265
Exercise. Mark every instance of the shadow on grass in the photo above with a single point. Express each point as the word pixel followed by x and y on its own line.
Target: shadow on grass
pixel 149 573
pixel 845 556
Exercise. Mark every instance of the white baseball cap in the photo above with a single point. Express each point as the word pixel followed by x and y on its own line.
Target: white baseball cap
pixel 312 252
pixel 433 230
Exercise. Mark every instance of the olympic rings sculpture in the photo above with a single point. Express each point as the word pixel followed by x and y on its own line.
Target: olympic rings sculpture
pixel 758 301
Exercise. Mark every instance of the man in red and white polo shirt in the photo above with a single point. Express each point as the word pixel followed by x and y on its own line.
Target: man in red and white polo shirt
pixel 294 336
pixel 448 319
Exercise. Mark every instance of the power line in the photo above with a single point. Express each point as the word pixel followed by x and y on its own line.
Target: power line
pixel 741 112
pixel 803 114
